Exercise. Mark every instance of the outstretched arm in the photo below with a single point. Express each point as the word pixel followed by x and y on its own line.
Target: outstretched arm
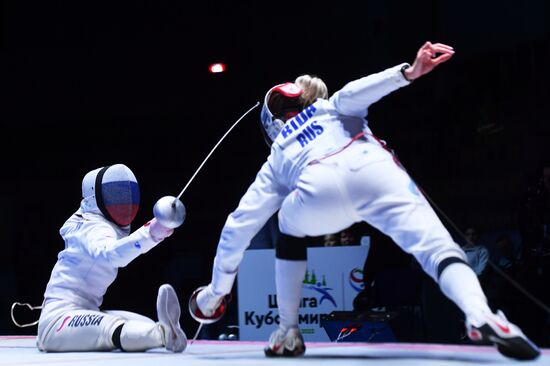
pixel 427 58
pixel 356 96
pixel 102 242
pixel 261 200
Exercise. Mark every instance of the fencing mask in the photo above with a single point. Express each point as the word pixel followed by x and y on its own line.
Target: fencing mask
pixel 281 103
pixel 115 191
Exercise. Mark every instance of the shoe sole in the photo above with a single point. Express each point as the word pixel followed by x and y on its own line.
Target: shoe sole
pixel 167 295
pixel 298 351
pixel 515 347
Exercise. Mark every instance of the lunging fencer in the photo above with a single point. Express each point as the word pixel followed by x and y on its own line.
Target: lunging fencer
pixel 326 171
pixel 98 241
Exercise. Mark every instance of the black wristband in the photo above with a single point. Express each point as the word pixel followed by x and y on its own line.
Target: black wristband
pixel 403 68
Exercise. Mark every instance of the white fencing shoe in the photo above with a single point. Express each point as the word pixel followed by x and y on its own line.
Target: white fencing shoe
pixel 288 343
pixel 168 312
pixel 508 338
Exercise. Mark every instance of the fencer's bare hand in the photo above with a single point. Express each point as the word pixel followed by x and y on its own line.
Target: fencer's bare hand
pixel 427 58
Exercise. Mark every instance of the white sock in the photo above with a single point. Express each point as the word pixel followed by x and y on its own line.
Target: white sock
pixel 289 275
pixel 460 284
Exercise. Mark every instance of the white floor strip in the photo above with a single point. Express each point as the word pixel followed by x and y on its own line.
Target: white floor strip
pixel 21 351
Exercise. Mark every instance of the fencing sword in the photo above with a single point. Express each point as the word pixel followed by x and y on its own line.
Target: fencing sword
pixel 169 210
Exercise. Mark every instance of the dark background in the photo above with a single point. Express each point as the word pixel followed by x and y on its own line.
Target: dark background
pixel 87 84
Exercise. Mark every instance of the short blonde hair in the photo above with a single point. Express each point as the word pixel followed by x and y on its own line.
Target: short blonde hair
pixel 313 88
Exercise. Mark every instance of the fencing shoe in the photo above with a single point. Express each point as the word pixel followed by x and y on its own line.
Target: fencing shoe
pixel 168 312
pixel 289 343
pixel 508 338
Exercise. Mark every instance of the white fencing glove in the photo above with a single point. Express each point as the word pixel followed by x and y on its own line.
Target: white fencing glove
pixel 208 302
pixel 157 231
pixel 205 306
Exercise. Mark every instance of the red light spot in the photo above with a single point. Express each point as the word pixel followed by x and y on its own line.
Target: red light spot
pixel 216 68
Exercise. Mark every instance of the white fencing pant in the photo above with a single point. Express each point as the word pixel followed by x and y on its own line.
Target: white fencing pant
pixel 66 327
pixel 364 183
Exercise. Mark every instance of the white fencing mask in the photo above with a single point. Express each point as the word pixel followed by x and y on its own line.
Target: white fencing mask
pixel 116 192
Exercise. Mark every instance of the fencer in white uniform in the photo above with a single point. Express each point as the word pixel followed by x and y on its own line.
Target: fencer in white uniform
pixel 97 243
pixel 326 170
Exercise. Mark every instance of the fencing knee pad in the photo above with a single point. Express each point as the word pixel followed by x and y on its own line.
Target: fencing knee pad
pixel 291 247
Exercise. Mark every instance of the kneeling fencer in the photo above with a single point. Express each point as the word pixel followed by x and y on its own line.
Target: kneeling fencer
pixel 98 242
pixel 326 170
